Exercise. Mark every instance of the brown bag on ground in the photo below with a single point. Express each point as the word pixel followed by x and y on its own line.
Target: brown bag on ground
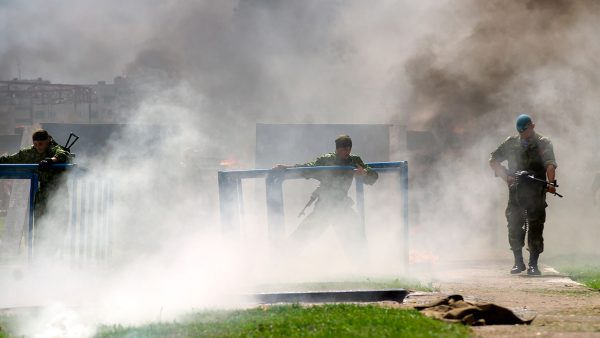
pixel 455 309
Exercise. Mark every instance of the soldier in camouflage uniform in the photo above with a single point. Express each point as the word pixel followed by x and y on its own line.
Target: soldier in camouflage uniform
pixel 45 152
pixel 526 210
pixel 333 206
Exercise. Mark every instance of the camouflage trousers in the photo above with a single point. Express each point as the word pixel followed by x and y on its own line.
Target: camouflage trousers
pixel 41 203
pixel 51 219
pixel 345 221
pixel 526 202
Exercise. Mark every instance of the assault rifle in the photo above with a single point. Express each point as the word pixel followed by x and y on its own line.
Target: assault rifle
pixel 519 175
pixel 70 142
pixel 313 198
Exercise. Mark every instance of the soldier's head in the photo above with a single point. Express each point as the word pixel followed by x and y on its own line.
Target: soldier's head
pixel 41 140
pixel 343 146
pixel 525 126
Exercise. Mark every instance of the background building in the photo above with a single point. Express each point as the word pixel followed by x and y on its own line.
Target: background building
pixel 33 102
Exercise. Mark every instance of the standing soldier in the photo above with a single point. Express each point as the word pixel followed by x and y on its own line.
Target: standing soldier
pixel 333 206
pixel 526 210
pixel 44 152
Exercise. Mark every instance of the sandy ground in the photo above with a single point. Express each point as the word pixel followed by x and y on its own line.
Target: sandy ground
pixel 561 307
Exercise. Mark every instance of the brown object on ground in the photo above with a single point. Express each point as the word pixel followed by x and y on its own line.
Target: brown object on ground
pixel 561 307
pixel 455 309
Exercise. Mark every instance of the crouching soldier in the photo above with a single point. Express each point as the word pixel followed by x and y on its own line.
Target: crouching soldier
pixel 333 206
pixel 45 152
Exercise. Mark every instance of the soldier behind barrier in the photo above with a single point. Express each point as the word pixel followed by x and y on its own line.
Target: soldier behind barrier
pixel 333 206
pixel 45 152
pixel 526 210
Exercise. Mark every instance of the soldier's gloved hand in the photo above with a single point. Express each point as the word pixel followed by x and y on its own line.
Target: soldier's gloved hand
pixel 46 164
pixel 360 171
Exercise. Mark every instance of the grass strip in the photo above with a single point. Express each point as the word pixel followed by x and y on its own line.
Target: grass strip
pixel 333 320
pixel 581 268
pixel 587 275
pixel 5 326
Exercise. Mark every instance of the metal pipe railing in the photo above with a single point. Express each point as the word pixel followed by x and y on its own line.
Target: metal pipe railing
pixel 231 203
pixel 90 205
pixel 30 167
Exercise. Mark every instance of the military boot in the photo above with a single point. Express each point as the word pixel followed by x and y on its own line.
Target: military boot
pixel 519 264
pixel 533 264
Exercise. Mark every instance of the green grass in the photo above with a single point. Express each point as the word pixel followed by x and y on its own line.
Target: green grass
pixel 5 326
pixel 589 276
pixel 340 320
pixel 347 320
pixel 581 268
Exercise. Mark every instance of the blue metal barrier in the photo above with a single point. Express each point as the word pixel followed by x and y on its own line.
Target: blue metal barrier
pixel 90 204
pixel 28 172
pixel 231 201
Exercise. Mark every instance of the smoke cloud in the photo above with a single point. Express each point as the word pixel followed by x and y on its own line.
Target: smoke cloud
pixel 493 61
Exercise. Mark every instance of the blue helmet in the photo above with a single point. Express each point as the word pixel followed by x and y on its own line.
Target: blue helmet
pixel 523 121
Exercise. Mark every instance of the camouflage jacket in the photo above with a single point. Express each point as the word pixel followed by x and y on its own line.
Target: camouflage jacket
pixel 533 155
pixel 31 156
pixel 335 183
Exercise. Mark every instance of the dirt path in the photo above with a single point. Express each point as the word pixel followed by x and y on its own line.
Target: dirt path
pixel 562 307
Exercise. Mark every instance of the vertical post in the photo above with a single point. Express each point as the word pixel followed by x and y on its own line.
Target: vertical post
pixel 275 216
pixel 360 199
pixel 83 217
pixel 240 198
pixel 32 192
pixel 404 191
pixel 92 226
pixel 75 179
pixel 110 200
pixel 228 203
pixel 101 239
